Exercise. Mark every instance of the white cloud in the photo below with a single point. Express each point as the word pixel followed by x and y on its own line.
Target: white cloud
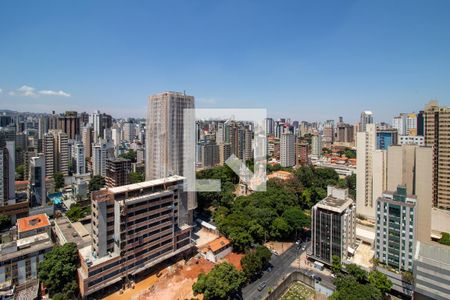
pixel 28 91
pixel 54 93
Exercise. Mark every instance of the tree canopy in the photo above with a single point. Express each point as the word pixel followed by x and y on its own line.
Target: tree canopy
pixel 130 154
pixel 255 261
pixel 59 180
pixel 136 177
pixel 58 271
pixel 221 282
pixel 96 183
pixel 76 212
pixel 20 170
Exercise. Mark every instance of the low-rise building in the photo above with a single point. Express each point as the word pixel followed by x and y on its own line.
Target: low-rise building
pixel 19 258
pixel 217 249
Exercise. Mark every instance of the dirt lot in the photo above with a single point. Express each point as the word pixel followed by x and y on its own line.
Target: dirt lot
pixel 280 247
pixel 174 282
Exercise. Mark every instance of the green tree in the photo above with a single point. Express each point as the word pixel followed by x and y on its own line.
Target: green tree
pixel 130 154
pixel 5 222
pixel 296 218
pixel 349 153
pixel 251 265
pixel 221 282
pixel 359 274
pixel 380 281
pixel 280 228
pixel 20 170
pixel 336 266
pixel 348 288
pixel 255 261
pixel 76 212
pixel 58 271
pixel 59 180
pixel 241 240
pixel 136 177
pixel 96 183
pixel 445 239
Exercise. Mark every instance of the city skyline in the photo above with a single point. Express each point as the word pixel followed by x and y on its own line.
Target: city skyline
pixel 381 57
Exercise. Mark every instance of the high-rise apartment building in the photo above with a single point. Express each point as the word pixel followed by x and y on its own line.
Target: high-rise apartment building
pixel 287 150
pixel 224 153
pixel 209 155
pixel 134 227
pixel 344 132
pixel 316 145
pixel 395 229
pixel 365 190
pixel 99 156
pixel 302 153
pixel 128 131
pixel 437 135
pixel 269 126
pixel 37 190
pixel 69 123
pixel 165 129
pixel 7 170
pixel 366 118
pixel 117 172
pixel 333 226
pixel 88 140
pixel 56 152
pixel 80 161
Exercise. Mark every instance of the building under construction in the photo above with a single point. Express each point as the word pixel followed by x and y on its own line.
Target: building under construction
pixel 134 227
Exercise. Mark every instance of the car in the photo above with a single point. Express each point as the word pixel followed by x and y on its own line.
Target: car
pixel 275 252
pixel 269 269
pixel 303 248
pixel 261 286
pixel 317 278
pixel 297 242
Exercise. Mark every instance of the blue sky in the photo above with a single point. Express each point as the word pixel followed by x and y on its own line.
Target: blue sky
pixel 312 60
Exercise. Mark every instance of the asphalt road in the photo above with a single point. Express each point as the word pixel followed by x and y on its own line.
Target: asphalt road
pixel 281 268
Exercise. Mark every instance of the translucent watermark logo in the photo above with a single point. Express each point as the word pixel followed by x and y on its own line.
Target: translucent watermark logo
pixel 232 119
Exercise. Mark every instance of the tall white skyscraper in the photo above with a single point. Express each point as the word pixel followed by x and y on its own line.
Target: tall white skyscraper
pixel 96 120
pixel 287 150
pixel 80 162
pixel 99 156
pixel 164 143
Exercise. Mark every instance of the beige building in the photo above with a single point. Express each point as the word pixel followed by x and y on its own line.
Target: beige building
pixel 165 129
pixel 56 152
pixel 437 135
pixel 134 227
pixel 365 149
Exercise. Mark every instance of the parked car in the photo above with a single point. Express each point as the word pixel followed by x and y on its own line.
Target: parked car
pixel 261 286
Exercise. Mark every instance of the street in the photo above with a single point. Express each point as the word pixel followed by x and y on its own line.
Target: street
pixel 282 266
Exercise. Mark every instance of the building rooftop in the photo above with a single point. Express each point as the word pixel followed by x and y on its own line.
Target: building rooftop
pixel 32 222
pixel 217 244
pixel 335 204
pixel 145 184
pixel 434 254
